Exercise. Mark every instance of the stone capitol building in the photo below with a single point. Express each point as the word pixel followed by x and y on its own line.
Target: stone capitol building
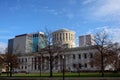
pixel 75 58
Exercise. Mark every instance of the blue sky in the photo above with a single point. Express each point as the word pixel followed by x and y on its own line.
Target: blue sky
pixel 81 16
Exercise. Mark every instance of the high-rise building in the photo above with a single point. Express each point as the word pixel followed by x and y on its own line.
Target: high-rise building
pixel 10 45
pixel 38 41
pixel 64 37
pixel 26 43
pixel 22 43
pixel 86 40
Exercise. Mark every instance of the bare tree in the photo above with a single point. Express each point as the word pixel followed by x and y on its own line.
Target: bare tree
pixel 10 61
pixel 113 56
pixel 110 57
pixel 101 43
pixel 50 49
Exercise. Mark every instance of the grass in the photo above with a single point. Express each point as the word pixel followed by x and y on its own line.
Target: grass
pixel 83 74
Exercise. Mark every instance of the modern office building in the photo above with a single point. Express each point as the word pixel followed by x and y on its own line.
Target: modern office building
pixel 26 43
pixel 64 37
pixel 10 46
pixel 86 40
pixel 38 41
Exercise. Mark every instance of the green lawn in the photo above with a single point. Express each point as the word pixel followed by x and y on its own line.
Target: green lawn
pixel 83 74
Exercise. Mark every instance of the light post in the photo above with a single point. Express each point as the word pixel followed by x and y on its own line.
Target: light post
pixel 63 57
pixel 39 63
pixel 40 60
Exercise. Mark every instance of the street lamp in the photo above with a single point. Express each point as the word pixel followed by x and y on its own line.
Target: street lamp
pixel 63 57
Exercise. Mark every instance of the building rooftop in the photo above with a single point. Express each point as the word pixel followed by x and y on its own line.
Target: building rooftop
pixel 64 29
pixel 37 33
pixel 20 35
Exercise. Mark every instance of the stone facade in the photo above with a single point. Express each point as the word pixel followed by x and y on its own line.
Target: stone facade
pixel 74 59
pixel 64 37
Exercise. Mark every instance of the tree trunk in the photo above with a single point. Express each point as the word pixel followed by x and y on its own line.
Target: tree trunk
pixel 102 65
pixel 51 66
pixel 10 69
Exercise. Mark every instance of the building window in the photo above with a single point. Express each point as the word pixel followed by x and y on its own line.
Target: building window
pixel 85 65
pixel 79 56
pixel 54 38
pixel 35 59
pixel 25 59
pixel 32 59
pixel 91 65
pixel 80 65
pixel 63 37
pixel 91 55
pixel 85 55
pixel 22 67
pixel 35 35
pixel 25 67
pixel 74 65
pixel 73 56
pixel 22 60
pixel 35 66
pixel 66 37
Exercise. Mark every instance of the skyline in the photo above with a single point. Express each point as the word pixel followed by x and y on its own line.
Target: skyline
pixel 82 16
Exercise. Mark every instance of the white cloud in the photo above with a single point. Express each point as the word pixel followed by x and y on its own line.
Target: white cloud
pixel 64 12
pixel 107 9
pixel 3 46
pixel 52 11
pixel 70 15
pixel 113 32
pixel 5 37
pixel 4 31
pixel 87 1
pixel 15 8
pixel 72 2
pixel 5 34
